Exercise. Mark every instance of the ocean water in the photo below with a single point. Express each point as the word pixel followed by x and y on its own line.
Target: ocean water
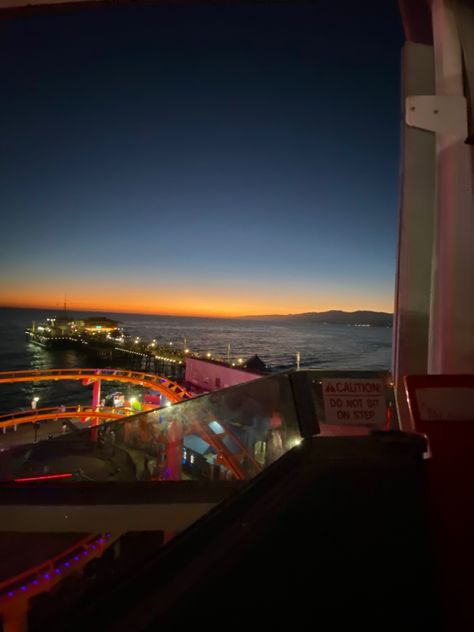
pixel 277 343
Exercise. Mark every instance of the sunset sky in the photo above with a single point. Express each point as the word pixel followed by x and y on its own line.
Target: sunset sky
pixel 201 160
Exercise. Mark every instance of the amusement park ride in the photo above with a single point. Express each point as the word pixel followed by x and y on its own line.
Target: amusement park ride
pixel 95 413
pixel 422 493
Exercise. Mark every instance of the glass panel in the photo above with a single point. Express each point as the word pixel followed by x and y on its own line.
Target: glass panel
pixel 232 434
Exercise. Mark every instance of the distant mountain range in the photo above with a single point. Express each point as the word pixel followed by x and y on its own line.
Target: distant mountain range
pixel 334 317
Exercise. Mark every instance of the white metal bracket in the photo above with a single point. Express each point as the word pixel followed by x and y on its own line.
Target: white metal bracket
pixel 443 114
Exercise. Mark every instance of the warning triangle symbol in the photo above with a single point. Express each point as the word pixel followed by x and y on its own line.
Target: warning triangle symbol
pixel 330 389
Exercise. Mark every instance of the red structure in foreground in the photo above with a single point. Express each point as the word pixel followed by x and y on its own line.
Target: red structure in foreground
pixel 442 408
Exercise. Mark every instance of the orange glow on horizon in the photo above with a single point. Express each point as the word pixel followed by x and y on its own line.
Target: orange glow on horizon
pixel 202 298
pixel 211 308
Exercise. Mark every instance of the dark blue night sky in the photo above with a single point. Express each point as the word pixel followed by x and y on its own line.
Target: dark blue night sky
pixel 201 159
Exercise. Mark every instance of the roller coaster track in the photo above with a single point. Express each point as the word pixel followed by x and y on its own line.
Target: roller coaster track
pixel 236 457
pixel 220 440
pixel 65 412
pixel 173 391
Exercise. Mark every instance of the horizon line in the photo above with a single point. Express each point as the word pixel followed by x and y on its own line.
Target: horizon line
pixel 249 316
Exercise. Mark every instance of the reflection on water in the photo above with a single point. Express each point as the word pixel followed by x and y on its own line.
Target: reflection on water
pixel 320 346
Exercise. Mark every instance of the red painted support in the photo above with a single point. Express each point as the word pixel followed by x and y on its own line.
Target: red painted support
pixel 95 404
pixel 96 394
pixel 442 407
pixel 174 451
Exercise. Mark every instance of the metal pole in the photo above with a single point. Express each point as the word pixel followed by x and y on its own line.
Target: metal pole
pixel 451 335
pixel 415 241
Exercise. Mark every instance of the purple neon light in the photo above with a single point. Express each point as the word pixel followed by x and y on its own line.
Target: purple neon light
pixel 10 594
pixel 46 576
pixel 35 582
pixel 23 587
pixel 76 557
pixel 66 564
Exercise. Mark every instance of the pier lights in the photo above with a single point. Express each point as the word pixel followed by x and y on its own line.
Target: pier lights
pixel 34 402
pixel 208 354
pixel 240 360
pixel 186 351
pixel 153 343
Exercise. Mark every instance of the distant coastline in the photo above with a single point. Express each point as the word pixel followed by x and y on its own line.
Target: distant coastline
pixel 360 318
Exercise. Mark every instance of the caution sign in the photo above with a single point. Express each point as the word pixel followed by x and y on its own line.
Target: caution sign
pixel 354 401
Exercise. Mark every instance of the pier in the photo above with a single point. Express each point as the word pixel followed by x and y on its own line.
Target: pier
pixel 109 346
pixel 105 344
